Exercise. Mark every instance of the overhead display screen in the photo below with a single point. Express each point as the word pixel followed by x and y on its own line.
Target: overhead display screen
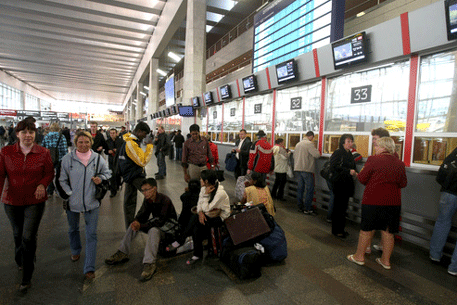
pixel 285 29
pixel 451 19
pixel 349 51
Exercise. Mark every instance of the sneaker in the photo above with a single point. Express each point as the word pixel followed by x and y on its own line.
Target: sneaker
pixel 452 273
pixel 328 220
pixel 117 258
pixel 377 247
pixel 148 272
pixel 309 212
pixel 434 259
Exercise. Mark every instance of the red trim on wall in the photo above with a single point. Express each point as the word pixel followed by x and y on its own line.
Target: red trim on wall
pixel 244 106
pixel 316 63
pixel 273 118
pixel 238 87
pixel 322 115
pixel 207 119
pixel 221 138
pixel 405 33
pixel 414 68
pixel 218 97
pixel 268 77
pixel 203 100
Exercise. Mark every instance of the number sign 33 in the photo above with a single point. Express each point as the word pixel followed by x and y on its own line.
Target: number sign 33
pixel 361 94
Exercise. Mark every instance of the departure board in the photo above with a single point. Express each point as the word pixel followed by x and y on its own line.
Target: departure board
pixel 285 29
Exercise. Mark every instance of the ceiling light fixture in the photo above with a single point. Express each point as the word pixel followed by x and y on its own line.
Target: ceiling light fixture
pixel 360 14
pixel 142 93
pixel 174 56
pixel 146 87
pixel 161 72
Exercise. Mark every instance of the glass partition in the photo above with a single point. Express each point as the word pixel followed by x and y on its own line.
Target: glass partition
pixel 258 114
pixel 435 134
pixel 215 122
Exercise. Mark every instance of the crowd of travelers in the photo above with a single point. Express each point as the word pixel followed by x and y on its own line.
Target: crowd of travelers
pixel 72 164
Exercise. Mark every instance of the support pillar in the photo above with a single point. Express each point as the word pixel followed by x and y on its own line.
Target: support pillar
pixel 139 102
pixel 153 89
pixel 195 57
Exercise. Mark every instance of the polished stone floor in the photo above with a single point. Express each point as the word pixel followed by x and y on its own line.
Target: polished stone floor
pixel 315 272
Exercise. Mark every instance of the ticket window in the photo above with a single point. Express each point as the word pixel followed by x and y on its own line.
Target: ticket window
pixel 432 151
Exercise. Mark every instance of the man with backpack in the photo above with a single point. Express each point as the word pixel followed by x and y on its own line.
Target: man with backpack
pixel 447 178
pixel 57 145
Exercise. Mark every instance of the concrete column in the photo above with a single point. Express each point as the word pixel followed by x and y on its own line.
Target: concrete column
pixel 139 102
pixel 22 106
pixel 195 56
pixel 153 88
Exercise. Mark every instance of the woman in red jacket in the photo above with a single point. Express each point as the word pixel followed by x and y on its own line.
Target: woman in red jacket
pixel 384 176
pixel 28 169
pixel 214 152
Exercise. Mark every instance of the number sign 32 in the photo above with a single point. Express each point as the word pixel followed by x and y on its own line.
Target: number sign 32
pixel 361 94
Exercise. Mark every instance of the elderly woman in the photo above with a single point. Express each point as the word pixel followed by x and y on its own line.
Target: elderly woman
pixel 384 176
pixel 78 177
pixel 213 208
pixel 259 193
pixel 343 173
pixel 28 169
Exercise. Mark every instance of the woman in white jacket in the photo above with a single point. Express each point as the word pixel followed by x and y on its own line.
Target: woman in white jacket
pixel 213 208
pixel 281 156
pixel 78 176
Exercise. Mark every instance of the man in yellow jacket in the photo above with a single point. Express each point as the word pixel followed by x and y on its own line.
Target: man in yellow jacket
pixel 132 160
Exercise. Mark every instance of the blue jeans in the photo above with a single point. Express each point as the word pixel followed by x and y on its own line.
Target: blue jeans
pixel 447 209
pixel 91 220
pixel 330 201
pixel 179 154
pixel 305 179
pixel 25 221
pixel 161 164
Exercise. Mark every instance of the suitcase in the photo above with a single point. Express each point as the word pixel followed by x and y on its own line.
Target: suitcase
pixel 246 225
pixel 244 262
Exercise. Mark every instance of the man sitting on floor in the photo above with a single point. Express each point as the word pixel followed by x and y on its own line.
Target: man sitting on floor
pixel 162 209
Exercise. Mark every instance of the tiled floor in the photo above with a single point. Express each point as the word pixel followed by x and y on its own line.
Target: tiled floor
pixel 315 272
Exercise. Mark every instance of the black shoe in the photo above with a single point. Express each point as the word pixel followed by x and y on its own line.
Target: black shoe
pixel 24 287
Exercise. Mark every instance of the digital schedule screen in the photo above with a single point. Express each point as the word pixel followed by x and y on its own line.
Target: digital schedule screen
pixel 208 98
pixel 225 92
pixel 286 71
pixel 349 51
pixel 451 19
pixel 187 111
pixel 285 29
pixel 249 84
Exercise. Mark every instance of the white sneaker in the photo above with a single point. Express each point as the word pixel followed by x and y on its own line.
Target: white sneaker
pixel 377 247
pixel 452 273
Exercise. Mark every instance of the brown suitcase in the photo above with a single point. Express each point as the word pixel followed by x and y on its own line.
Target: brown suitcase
pixel 246 225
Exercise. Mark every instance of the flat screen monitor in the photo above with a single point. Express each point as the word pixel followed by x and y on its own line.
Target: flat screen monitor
pixel 168 111
pixel 170 91
pixel 451 18
pixel 286 71
pixel 250 84
pixel 208 98
pixel 226 92
pixel 187 111
pixel 350 51
pixel 196 101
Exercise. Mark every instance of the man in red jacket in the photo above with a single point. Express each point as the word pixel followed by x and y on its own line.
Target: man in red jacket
pixel 260 155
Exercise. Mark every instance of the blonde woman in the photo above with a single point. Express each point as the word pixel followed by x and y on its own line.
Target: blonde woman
pixel 384 176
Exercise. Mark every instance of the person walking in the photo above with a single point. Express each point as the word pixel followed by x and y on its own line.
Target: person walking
pixel 27 170
pixel 178 140
pixel 81 170
pixel 161 150
pixel 132 160
pixel 305 155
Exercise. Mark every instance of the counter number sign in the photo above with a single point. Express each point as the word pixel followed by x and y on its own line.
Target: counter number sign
pixel 215 115
pixel 295 103
pixel 361 94
pixel 258 108
pixel 232 111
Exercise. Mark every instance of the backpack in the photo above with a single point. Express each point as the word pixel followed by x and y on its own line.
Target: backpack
pixel 447 174
pixel 230 162
pixel 55 152
pixel 325 171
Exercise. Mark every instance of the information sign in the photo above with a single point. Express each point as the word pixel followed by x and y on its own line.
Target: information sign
pixel 361 94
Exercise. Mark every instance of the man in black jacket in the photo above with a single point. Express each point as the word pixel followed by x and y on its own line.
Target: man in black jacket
pixel 178 140
pixel 99 140
pixel 162 210
pixel 243 145
pixel 161 145
pixel 113 144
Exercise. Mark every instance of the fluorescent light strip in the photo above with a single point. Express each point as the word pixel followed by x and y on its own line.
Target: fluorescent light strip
pixel 174 56
pixel 161 72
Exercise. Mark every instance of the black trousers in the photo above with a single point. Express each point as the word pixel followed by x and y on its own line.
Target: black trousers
pixel 278 187
pixel 240 169
pixel 130 195
pixel 202 232
pixel 342 193
pixel 25 221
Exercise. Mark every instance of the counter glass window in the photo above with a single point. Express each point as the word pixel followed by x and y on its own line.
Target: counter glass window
pixel 298 108
pixel 436 109
pixel 362 101
pixel 233 115
pixel 203 113
pixel 258 113
pixel 215 121
pixel 10 98
pixel 31 102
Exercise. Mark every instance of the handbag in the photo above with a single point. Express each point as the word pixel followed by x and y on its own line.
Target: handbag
pixel 220 174
pixel 102 188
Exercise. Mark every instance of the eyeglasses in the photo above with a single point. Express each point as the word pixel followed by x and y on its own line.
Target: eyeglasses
pixel 145 190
